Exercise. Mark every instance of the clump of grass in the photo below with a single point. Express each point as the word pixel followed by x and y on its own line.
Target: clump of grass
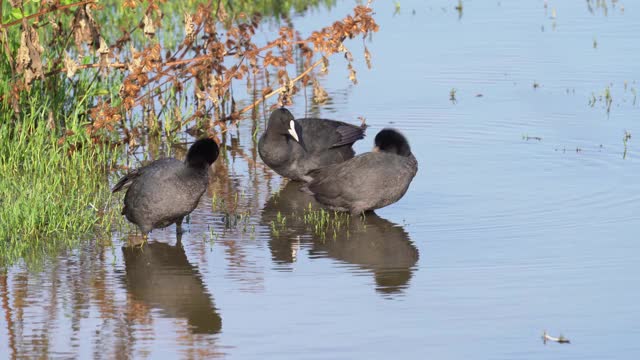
pixel 606 98
pixel 459 8
pixel 233 217
pixel 54 190
pixel 278 224
pixel 625 141
pixel 452 95
pixel 324 222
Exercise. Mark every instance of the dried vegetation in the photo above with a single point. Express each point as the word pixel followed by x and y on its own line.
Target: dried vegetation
pixel 145 82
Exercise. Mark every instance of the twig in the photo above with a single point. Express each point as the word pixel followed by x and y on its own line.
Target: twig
pixel 117 65
pixel 274 92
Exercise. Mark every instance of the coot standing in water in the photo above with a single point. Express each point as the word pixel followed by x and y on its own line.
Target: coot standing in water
pixel 166 190
pixel 368 181
pixel 293 148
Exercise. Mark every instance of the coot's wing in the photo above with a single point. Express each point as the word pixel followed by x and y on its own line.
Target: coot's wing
pixel 130 177
pixel 320 134
pixel 348 134
pixel 352 176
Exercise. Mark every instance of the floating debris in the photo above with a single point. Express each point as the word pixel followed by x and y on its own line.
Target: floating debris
pixel 560 339
pixel 527 137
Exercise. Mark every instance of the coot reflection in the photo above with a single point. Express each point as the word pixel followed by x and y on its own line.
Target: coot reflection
pixel 161 276
pixel 371 243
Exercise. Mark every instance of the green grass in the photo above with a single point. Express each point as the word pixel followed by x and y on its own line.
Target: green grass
pixel 324 222
pixel 53 193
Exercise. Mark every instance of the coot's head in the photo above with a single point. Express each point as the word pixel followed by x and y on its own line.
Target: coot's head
pixel 202 153
pixel 282 122
pixel 390 140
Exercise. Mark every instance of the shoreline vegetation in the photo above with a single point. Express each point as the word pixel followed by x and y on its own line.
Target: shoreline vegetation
pixel 84 82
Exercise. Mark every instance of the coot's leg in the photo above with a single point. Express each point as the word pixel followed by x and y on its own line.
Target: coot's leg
pixel 179 226
pixel 179 239
pixel 145 230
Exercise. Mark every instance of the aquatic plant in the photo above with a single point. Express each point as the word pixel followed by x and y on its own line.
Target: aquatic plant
pixel 452 95
pixel 606 98
pixel 325 222
pixel 53 189
pixel 625 141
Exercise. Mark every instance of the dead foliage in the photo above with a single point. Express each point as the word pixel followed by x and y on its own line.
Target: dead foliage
pixel 218 50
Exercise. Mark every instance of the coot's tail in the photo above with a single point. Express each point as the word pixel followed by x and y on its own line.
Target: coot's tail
pixel 125 181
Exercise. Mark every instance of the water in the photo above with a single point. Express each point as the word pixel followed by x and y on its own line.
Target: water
pixel 499 237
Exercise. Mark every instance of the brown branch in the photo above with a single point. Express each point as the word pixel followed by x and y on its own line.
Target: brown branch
pixel 274 92
pixel 46 11
pixel 87 66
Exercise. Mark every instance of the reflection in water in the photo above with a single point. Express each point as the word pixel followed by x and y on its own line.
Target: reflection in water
pixel 373 243
pixel 377 245
pixel 521 237
pixel 161 276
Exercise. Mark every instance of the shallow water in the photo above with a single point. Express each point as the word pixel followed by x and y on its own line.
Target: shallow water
pixel 500 237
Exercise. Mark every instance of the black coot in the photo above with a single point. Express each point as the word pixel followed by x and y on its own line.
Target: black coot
pixel 166 190
pixel 368 181
pixel 293 148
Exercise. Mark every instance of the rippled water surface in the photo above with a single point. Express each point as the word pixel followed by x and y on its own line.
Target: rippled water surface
pixel 521 218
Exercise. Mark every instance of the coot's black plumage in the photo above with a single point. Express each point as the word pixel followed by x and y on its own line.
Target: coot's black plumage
pixel 293 148
pixel 368 181
pixel 166 190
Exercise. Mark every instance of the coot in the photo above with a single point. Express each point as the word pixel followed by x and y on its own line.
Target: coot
pixel 293 148
pixel 166 190
pixel 368 181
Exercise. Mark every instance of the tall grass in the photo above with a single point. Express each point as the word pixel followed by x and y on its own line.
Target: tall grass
pixel 53 187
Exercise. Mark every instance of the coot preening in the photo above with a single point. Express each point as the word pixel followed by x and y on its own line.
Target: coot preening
pixel 166 190
pixel 368 181
pixel 293 148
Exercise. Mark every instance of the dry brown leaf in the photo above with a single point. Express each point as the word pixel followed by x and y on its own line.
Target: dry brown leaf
pixel 320 96
pixel 367 57
pixel 325 65
pixel 222 13
pixel 103 52
pixel 85 28
pixel 23 59
pixel 348 56
pixel 288 89
pixel 352 75
pixel 104 48
pixel 149 27
pixel 189 28
pixel 70 66
pixel 29 57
